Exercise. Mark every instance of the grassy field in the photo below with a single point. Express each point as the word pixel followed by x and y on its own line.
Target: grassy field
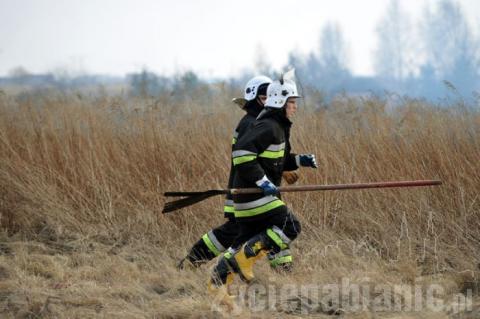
pixel 82 234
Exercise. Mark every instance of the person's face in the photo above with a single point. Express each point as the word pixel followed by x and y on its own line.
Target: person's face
pixel 262 99
pixel 291 107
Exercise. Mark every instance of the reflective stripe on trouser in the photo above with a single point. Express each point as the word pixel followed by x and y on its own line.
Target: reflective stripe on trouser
pixel 278 237
pixel 283 257
pixel 257 207
pixel 212 243
pixel 229 253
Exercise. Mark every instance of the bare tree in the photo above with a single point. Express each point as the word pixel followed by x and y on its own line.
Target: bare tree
pixel 19 75
pixel 327 67
pixel 333 49
pixel 450 48
pixel 446 36
pixel 332 59
pixel 394 44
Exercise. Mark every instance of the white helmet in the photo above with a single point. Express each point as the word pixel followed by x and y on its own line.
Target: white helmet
pixel 253 84
pixel 279 91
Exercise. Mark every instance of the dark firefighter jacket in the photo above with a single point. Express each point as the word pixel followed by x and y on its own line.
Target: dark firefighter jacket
pixel 264 150
pixel 253 109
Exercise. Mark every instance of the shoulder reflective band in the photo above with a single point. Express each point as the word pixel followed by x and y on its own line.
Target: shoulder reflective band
pixel 242 156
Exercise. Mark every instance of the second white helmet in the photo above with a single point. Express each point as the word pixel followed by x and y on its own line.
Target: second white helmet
pixel 253 85
pixel 278 93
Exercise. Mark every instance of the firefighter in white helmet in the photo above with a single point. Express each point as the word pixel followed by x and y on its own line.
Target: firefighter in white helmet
pixel 217 240
pixel 266 225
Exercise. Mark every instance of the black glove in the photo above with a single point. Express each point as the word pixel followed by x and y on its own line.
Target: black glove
pixel 306 160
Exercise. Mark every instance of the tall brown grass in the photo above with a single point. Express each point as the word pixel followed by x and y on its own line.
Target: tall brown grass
pixel 78 171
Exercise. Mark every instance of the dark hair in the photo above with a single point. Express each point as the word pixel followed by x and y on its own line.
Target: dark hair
pixel 262 89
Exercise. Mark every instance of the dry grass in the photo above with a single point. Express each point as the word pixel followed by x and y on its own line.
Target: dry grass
pixel 81 183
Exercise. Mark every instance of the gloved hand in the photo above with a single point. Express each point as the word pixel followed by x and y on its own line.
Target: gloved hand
pixel 306 160
pixel 269 188
pixel 291 177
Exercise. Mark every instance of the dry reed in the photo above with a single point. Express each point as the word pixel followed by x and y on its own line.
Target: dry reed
pixel 81 183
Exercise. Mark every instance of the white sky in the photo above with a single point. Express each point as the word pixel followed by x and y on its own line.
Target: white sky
pixel 211 37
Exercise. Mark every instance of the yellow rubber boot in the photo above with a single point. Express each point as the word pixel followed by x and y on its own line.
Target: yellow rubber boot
pixel 221 296
pixel 244 263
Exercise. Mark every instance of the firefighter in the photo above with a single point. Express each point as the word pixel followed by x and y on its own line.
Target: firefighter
pixel 266 225
pixel 217 240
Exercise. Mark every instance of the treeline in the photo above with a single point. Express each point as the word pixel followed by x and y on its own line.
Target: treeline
pixel 434 57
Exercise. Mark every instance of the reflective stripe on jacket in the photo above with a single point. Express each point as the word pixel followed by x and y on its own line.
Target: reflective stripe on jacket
pixel 253 110
pixel 264 150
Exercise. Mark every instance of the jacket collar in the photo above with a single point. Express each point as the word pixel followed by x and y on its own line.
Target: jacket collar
pixel 277 114
pixel 253 108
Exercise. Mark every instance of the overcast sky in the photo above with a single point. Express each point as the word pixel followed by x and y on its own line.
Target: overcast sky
pixel 211 37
